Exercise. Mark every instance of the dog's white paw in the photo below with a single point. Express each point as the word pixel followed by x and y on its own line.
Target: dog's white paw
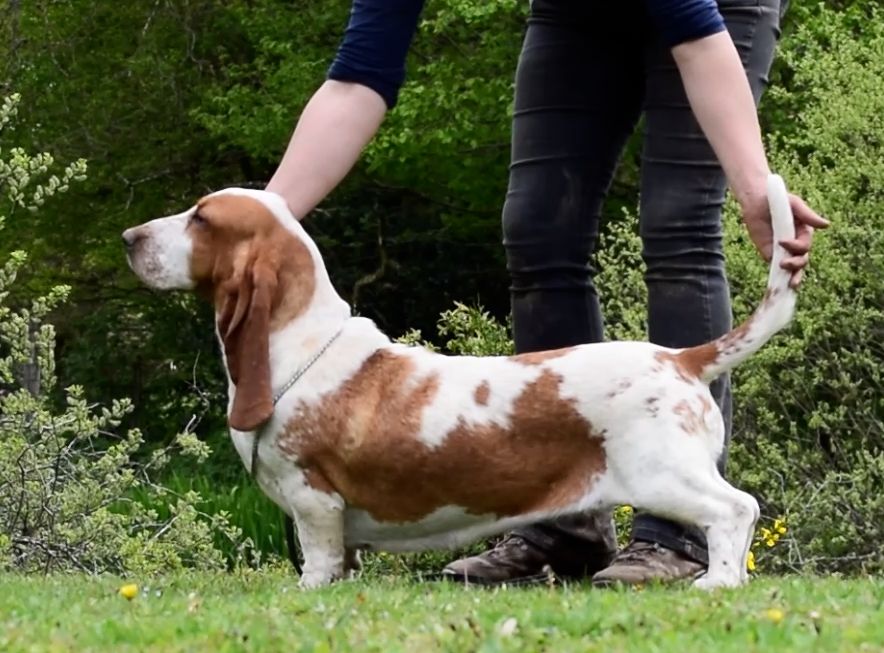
pixel 709 583
pixel 312 580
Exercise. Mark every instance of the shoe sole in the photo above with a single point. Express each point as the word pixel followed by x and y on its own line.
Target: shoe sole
pixel 608 583
pixel 465 579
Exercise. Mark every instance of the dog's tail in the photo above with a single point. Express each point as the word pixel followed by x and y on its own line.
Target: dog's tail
pixel 709 361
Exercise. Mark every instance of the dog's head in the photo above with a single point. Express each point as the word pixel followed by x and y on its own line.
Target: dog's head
pixel 245 251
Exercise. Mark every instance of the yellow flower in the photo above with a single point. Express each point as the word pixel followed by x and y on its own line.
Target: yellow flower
pixel 750 561
pixel 774 614
pixel 129 591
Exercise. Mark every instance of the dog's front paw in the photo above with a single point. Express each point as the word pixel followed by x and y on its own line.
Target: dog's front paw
pixel 313 579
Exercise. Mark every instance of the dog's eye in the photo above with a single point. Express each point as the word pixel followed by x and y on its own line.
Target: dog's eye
pixel 197 220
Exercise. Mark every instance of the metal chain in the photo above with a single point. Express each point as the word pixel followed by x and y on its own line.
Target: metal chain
pixel 285 388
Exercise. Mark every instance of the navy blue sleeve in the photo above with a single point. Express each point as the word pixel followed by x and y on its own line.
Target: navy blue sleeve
pixel 375 45
pixel 678 21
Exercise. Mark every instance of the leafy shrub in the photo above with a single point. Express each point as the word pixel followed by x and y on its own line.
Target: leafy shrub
pixel 470 331
pixel 810 420
pixel 65 474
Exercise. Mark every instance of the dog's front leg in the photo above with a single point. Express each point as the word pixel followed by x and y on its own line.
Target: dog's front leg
pixel 320 520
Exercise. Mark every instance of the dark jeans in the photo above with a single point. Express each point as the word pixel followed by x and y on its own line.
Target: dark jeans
pixel 587 72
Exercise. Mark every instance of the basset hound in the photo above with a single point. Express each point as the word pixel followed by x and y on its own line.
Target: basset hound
pixel 370 444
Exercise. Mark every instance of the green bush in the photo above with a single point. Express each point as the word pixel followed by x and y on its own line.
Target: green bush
pixel 810 420
pixel 65 472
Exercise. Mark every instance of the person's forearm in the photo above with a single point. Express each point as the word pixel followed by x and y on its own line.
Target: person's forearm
pixel 721 99
pixel 334 127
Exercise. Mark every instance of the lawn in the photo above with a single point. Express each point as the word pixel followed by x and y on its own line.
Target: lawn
pixel 266 612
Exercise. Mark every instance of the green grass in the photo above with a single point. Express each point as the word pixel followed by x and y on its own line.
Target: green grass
pixel 266 612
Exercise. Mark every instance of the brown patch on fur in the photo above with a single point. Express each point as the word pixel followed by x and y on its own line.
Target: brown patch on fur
pixel 706 406
pixel 260 277
pixel 652 406
pixel 690 362
pixel 239 237
pixel 540 357
pixel 364 440
pixel 244 325
pixel 317 481
pixel 483 391
pixel 693 421
pixel 729 343
pixel 688 366
pixel 622 386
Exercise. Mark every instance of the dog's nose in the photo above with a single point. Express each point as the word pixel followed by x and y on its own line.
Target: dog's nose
pixel 130 237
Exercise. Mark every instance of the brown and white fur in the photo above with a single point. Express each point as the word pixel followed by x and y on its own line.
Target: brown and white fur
pixel 383 446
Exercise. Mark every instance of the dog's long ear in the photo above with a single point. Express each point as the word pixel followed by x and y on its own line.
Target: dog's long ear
pixel 244 326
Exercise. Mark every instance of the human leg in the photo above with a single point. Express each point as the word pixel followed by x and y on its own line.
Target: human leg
pixel 578 96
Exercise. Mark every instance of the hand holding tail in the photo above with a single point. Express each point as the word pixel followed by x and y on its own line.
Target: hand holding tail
pixel 757 218
pixel 790 232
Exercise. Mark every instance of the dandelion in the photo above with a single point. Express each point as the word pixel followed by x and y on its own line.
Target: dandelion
pixel 769 537
pixel 774 615
pixel 129 591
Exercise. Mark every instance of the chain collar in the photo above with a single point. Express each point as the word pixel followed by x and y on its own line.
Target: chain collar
pixel 301 371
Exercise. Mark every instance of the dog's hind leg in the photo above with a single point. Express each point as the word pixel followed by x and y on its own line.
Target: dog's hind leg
pixel 751 506
pixel 729 537
pixel 352 562
pixel 689 489
pixel 726 516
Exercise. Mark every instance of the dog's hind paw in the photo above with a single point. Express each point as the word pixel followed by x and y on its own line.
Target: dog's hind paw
pixel 709 583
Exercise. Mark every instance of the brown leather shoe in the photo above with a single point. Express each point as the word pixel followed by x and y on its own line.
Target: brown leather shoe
pixel 647 562
pixel 512 560
pixel 515 560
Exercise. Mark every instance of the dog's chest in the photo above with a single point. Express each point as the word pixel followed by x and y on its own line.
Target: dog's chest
pixel 269 468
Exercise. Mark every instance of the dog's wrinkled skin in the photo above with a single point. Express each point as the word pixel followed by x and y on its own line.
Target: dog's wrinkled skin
pixel 383 446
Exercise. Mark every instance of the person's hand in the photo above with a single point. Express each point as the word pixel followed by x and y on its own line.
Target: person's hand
pixel 756 216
